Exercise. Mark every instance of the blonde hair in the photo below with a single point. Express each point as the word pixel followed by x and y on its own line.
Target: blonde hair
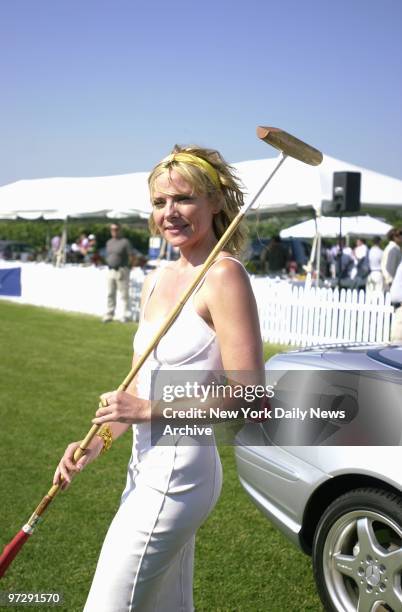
pixel 228 193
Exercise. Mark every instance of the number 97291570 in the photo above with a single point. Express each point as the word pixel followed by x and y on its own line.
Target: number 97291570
pixel 9 598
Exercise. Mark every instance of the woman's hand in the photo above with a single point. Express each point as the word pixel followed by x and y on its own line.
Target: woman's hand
pixel 123 408
pixel 67 469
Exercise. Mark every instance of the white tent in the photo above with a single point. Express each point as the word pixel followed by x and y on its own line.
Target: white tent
pixel 294 187
pixel 377 190
pixel 62 197
pixel 329 227
pixel 297 185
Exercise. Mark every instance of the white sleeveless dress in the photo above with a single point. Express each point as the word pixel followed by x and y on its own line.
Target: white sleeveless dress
pixel 146 561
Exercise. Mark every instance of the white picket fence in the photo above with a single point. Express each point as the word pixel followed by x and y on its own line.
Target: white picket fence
pixel 298 316
pixel 288 314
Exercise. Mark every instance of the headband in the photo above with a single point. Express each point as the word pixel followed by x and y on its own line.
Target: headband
pixel 199 162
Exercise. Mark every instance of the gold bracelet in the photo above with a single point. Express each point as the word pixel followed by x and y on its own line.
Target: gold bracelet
pixel 106 434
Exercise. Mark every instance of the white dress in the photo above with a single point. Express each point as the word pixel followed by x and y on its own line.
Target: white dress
pixel 146 562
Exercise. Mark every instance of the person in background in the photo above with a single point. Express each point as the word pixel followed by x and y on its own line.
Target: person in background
pixel 396 301
pixel 326 258
pixel 341 265
pixel 54 248
pixel 92 256
pixel 343 268
pixel 375 281
pixel 118 260
pixel 341 245
pixel 391 257
pixel 361 249
pixel 274 257
pixel 83 243
pixel 362 263
pixel 76 253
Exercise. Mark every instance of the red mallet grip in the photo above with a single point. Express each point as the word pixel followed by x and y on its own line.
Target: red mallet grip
pixel 11 550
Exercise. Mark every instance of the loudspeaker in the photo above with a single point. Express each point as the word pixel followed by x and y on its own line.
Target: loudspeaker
pixel 346 192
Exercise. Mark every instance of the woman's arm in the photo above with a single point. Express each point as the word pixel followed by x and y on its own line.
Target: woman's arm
pixel 229 298
pixel 123 408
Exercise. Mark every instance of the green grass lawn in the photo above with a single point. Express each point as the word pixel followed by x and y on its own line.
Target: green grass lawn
pixel 53 366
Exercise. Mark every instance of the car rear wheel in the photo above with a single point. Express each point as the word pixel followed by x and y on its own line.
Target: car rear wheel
pixel 357 552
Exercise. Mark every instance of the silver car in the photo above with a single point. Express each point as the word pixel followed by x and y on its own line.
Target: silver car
pixel 340 504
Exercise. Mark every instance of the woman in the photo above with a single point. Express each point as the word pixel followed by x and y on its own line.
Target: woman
pixel 146 562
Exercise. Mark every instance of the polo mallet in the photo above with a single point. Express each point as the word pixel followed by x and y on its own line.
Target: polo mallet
pixel 289 146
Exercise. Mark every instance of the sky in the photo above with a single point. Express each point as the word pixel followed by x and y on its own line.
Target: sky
pixel 101 87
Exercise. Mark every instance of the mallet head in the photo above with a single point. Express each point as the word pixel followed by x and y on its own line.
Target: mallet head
pixel 289 145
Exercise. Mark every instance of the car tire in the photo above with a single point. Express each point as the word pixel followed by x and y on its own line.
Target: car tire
pixel 357 552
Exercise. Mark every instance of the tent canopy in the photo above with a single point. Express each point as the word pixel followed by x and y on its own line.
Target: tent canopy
pixel 377 190
pixel 59 198
pixel 329 227
pixel 295 186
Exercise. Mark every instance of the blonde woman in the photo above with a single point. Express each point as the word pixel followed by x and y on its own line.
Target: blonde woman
pixel 146 562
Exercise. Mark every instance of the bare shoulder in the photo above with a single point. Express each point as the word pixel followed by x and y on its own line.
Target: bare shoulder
pixel 227 285
pixel 228 273
pixel 232 309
